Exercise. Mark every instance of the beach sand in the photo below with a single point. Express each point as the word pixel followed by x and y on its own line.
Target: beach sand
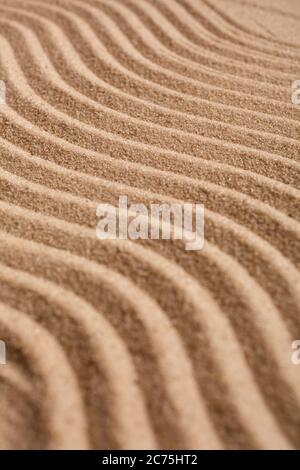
pixel 122 344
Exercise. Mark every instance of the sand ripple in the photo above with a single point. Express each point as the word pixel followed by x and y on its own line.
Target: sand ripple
pixel 122 344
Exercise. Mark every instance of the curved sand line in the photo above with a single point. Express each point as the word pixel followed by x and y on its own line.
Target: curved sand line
pixel 219 330
pixel 222 354
pixel 70 54
pixel 67 429
pixel 157 347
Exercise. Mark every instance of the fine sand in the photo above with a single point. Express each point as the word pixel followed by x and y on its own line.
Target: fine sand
pixel 141 344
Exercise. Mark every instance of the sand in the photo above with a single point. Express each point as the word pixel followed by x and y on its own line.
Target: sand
pixel 141 344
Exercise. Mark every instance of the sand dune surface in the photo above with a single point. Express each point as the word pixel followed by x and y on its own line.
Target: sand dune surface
pixel 123 344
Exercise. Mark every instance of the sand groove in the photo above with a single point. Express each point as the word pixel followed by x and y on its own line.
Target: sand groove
pixel 123 344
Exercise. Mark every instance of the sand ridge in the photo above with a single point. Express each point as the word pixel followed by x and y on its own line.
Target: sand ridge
pixel 141 344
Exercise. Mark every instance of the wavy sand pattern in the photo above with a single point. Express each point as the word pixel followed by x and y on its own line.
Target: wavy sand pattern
pixel 123 344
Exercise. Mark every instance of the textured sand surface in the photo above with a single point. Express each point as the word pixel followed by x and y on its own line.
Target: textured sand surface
pixel 123 344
